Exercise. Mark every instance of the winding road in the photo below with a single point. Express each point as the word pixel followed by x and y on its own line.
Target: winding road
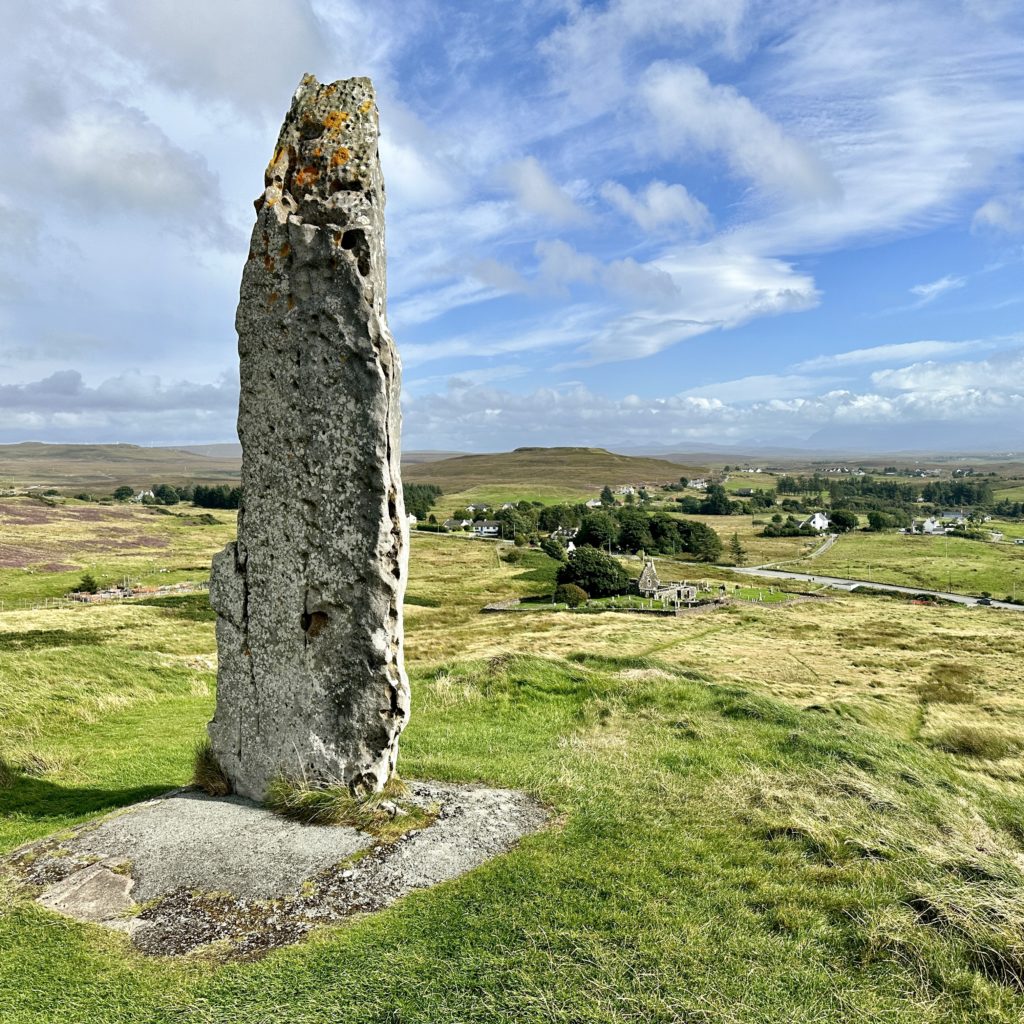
pixel 839 583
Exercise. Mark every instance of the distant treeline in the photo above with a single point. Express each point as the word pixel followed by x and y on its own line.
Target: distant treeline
pixel 957 492
pixel 216 496
pixel 420 498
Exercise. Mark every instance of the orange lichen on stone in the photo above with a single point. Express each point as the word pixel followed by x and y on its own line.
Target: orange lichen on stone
pixel 268 262
pixel 340 157
pixel 306 175
pixel 365 106
pixel 335 119
pixel 291 303
pixel 273 298
pixel 285 251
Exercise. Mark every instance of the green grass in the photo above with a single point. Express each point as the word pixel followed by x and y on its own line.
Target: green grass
pixel 932 563
pixel 718 855
pixel 810 812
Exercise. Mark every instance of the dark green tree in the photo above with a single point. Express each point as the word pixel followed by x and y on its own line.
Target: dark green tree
pixel 843 520
pixel 607 498
pixel 570 594
pixel 123 493
pixel 599 530
pixel 736 550
pixel 595 572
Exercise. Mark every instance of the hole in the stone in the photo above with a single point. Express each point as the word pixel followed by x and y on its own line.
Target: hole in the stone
pixel 346 186
pixel 313 622
pixel 353 238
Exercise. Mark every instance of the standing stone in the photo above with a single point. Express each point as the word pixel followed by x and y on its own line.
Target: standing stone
pixel 311 682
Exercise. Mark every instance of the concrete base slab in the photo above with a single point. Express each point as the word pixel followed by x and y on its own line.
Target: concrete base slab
pixel 187 870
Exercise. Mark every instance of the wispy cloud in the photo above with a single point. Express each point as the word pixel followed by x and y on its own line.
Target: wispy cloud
pixel 928 293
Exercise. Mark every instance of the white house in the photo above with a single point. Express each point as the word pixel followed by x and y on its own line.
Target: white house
pixel 142 494
pixel 477 508
pixel 487 528
pixel 594 503
pixel 456 524
pixel 932 525
pixel 698 484
pixel 819 521
pixel 411 520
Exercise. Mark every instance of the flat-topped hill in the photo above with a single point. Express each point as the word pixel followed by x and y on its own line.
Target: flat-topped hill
pixel 105 466
pixel 583 468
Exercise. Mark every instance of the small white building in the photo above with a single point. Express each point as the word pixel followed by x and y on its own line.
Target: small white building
pixel 411 520
pixel 456 524
pixel 819 521
pixel 594 503
pixel 487 528
pixel 142 494
pixel 698 484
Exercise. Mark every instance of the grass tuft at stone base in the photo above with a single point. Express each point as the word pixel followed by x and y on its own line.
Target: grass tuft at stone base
pixel 207 773
pixel 385 815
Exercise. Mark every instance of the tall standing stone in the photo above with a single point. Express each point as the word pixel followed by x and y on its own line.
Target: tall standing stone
pixel 310 682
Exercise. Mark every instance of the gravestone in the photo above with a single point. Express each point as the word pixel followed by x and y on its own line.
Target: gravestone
pixel 310 682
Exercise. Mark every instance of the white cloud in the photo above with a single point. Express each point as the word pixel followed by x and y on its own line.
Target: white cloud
pixel 888 353
pixel 109 158
pixel 63 406
pixel 759 387
pixel 561 264
pixel 537 193
pixel 691 112
pixel 1002 213
pixel 590 55
pixel 250 53
pixel 928 293
pixel 659 205
pixel 493 418
pixel 1003 373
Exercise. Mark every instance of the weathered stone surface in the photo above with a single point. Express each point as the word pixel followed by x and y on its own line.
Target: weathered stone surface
pixel 309 600
pixel 185 870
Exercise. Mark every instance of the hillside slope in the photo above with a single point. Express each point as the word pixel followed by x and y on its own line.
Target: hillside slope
pixel 584 468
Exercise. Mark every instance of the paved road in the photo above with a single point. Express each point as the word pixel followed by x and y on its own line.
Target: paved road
pixel 843 584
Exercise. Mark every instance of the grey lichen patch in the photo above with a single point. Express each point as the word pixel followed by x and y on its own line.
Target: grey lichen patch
pixel 311 682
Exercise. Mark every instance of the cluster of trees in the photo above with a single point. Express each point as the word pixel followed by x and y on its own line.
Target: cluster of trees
pixel 802 484
pixel 628 528
pixel 201 495
pixel 420 498
pixel 216 496
pixel 866 491
pixel 958 492
pixel 594 573
pixel 1008 509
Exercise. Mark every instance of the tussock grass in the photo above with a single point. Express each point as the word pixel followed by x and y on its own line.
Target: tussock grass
pixel 984 741
pixel 384 815
pixel 8 773
pixel 207 773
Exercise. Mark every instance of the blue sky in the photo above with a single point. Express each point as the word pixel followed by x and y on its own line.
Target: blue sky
pixel 633 223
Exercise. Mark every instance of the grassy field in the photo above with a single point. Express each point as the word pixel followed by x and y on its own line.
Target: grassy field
pixel 805 812
pixel 933 563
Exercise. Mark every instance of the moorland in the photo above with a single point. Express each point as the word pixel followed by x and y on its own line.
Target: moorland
pixel 807 809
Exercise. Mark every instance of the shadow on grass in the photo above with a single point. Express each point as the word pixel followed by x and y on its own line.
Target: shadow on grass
pixel 40 799
pixel 37 639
